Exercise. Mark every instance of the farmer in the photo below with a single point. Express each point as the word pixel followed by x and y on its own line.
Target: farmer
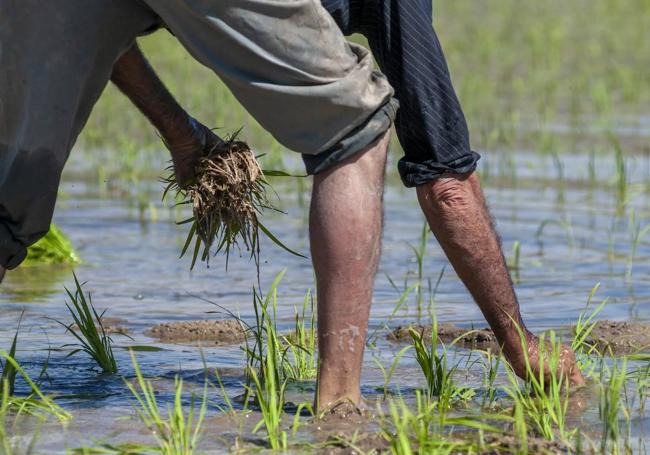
pixel 345 218
pixel 56 58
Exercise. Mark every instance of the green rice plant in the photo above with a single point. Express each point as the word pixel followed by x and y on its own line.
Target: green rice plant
pixel 92 336
pixel 269 395
pixel 388 374
pixel 36 403
pixel 514 260
pixel 520 429
pixel 543 398
pixel 8 376
pixel 9 445
pixel 490 371
pixel 621 171
pixel 434 366
pixel 580 344
pixel 178 433
pixel 267 366
pixel 422 431
pixel 300 361
pixel 54 248
pixel 611 405
pixel 637 234
pixel 420 253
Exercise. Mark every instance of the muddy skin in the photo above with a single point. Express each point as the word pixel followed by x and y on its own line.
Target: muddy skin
pixel 447 333
pixel 218 332
pixel 618 337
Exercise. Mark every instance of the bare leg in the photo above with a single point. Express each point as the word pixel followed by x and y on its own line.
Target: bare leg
pixel 345 234
pixel 455 209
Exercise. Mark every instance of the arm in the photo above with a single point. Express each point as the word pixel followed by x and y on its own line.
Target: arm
pixel 185 137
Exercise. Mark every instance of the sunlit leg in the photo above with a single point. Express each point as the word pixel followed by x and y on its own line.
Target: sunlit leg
pixel 345 232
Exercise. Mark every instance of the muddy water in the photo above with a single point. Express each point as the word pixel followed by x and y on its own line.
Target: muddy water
pixel 572 236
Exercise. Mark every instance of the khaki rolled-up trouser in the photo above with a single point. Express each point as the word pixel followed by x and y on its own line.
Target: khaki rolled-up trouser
pixel 285 60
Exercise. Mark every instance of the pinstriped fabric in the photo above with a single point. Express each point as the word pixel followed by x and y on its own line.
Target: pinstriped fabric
pixel 430 124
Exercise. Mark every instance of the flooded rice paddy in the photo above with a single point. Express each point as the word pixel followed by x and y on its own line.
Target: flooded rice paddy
pixel 567 223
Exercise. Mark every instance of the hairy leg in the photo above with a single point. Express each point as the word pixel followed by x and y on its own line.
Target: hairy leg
pixel 455 209
pixel 2 273
pixel 345 235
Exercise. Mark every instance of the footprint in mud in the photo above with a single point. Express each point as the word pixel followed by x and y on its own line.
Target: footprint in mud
pixel 447 333
pixel 218 332
pixel 620 337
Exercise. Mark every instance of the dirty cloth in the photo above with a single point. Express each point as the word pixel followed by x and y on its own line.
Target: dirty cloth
pixel 430 123
pixel 287 62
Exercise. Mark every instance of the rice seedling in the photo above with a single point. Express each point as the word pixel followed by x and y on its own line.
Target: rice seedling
pixel 269 396
pixel 490 371
pixel 611 406
pixel 514 260
pixel 267 367
pixel 54 248
pixel 544 399
pixel 300 361
pixel 621 171
pixel 92 338
pixel 434 366
pixel 227 196
pixel 35 403
pixel 8 376
pixel 420 253
pixel 388 374
pixel 637 234
pixel 423 431
pixel 178 433
pixel 586 351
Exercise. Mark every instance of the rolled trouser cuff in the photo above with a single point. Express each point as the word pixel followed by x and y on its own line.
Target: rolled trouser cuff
pixel 418 173
pixel 359 139
pixel 12 252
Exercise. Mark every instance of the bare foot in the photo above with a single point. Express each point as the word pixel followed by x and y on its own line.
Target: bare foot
pixel 568 366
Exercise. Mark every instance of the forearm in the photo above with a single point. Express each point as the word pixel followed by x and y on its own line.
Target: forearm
pixel 133 75
pixel 458 217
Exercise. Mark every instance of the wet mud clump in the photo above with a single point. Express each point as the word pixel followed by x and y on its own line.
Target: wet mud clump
pixel 112 326
pixel 447 333
pixel 218 332
pixel 620 337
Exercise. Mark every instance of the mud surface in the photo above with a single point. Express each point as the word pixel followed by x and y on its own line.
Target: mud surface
pixel 619 337
pixel 447 333
pixel 219 332
pixel 112 326
pixel 506 444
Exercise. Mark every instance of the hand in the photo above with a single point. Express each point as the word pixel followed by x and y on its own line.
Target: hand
pixel 187 144
pixel 567 367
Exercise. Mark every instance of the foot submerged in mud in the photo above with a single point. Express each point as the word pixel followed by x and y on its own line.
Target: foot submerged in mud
pixel 219 332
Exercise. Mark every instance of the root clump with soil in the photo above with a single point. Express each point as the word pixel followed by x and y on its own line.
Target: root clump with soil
pixel 226 195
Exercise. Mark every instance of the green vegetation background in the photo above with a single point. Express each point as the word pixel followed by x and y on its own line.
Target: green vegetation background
pixel 513 62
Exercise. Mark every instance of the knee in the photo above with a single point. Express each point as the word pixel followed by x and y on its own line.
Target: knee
pixel 450 192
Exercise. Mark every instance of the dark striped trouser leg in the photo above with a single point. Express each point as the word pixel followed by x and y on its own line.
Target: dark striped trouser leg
pixel 430 124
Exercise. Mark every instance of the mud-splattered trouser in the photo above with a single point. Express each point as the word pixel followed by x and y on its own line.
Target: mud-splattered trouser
pixel 430 123
pixel 287 62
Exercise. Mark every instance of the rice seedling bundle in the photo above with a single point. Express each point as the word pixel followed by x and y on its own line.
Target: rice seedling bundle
pixel 53 248
pixel 227 195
